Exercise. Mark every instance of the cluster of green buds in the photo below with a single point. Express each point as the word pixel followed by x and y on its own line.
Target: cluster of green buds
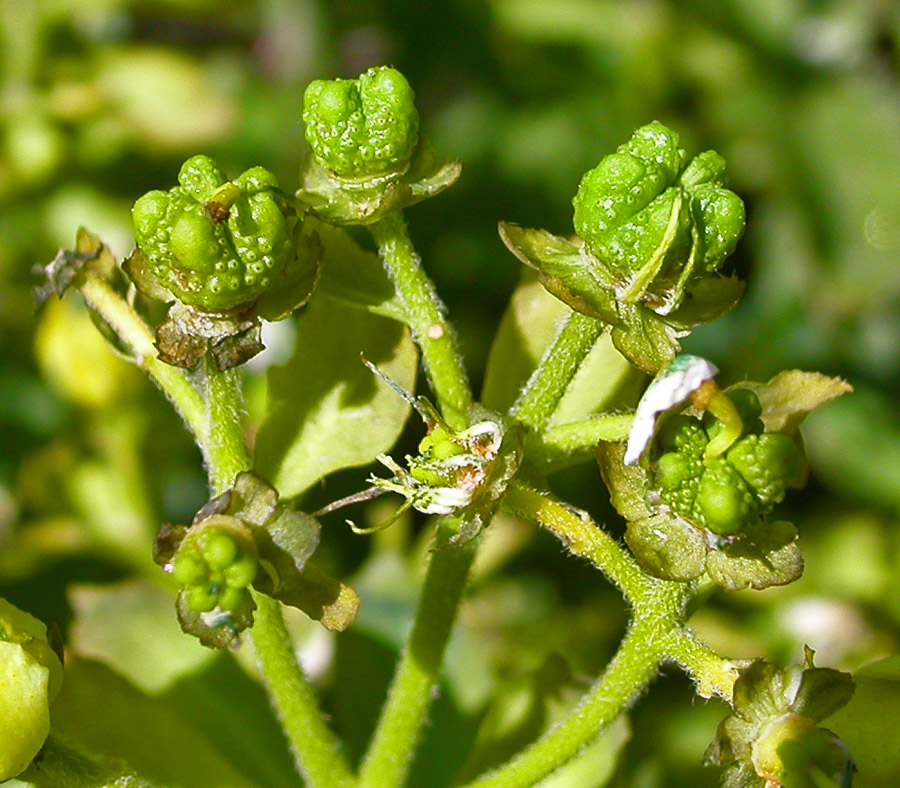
pixel 226 252
pixel 654 229
pixel 368 157
pixel 241 540
pixel 30 678
pixel 655 221
pixel 703 468
pixel 215 565
pixel 773 738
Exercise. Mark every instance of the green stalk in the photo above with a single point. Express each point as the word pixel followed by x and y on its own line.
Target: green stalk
pixel 388 759
pixel 556 370
pixel 314 745
pixel 713 674
pixel 386 763
pixel 129 327
pixel 582 537
pixel 432 332
pixel 630 671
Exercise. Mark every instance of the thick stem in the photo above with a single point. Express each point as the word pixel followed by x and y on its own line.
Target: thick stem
pixel 432 332
pixel 173 381
pixel 557 368
pixel 314 745
pixel 388 759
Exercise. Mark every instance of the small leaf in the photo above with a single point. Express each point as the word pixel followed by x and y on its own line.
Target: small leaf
pixel 645 339
pixel 822 692
pixel 627 483
pixel 789 397
pixel 566 270
pixel 327 411
pixel 705 301
pixel 324 599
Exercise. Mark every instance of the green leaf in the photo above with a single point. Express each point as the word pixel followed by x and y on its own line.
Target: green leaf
pixel 110 717
pixel 326 410
pixel 130 627
pixel 353 275
pixel 870 724
pixel 528 326
pixel 566 270
pixel 705 301
pixel 789 397
pixel 645 339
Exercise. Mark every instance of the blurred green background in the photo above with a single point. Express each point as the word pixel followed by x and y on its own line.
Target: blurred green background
pixel 101 100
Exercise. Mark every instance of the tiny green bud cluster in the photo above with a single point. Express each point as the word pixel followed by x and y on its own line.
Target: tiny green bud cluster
pixel 362 127
pixel 216 565
pixel 215 244
pixel 655 220
pixel 728 493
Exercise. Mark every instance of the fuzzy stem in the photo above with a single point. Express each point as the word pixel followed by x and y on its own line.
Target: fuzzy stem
pixel 425 312
pixel 713 674
pixel 557 368
pixel 387 761
pixel 318 754
pixel 582 537
pixel 630 671
pixel 173 381
pixel 313 743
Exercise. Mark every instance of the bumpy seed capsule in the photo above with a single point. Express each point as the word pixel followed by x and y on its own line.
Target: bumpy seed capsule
pixel 362 127
pixel 216 244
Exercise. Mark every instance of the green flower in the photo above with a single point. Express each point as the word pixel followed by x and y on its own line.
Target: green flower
pixel 30 678
pixel 773 738
pixel 216 244
pixel 362 127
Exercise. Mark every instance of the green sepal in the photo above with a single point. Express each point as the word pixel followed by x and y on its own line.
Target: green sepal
pixel 569 271
pixel 216 629
pixel 669 547
pixel 348 201
pixel 765 555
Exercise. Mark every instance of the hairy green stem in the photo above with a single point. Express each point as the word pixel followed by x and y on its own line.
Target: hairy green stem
pixel 582 537
pixel 317 750
pixel 225 447
pixel 388 759
pixel 713 674
pixel 567 444
pixel 313 743
pixel 557 368
pixel 129 327
pixel 432 332
pixel 630 671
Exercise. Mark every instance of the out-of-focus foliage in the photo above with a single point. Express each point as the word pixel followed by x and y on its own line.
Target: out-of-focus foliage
pixel 101 102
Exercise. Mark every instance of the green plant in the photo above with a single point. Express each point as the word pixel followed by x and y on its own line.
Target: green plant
pixel 702 470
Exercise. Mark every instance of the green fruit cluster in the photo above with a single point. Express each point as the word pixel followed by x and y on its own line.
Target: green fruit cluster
pixel 729 493
pixel 216 567
pixel 216 244
pixel 646 200
pixel 362 127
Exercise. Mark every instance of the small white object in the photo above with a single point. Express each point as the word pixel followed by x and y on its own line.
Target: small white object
pixel 671 387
